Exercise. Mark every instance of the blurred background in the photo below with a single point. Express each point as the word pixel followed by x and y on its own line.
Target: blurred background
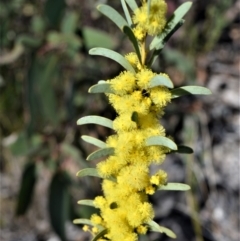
pixel 45 75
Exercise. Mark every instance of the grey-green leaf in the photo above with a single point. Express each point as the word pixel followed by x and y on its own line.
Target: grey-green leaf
pixel 160 80
pixel 86 202
pixel 159 41
pixel 126 12
pixel 94 119
pixel 99 235
pixel 175 187
pixel 161 141
pixel 156 228
pixel 83 221
pixel 132 4
pixel 94 141
pixel 114 56
pixel 149 7
pixel 101 88
pixel 93 172
pixel 101 153
pixel 128 31
pixel 190 90
pixel 112 14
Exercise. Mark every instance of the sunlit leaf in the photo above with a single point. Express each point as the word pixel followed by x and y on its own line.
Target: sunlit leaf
pixel 25 194
pixel 126 12
pixel 108 151
pixel 93 172
pixel 190 90
pixel 159 41
pixel 156 228
pixel 94 141
pixel 112 55
pixel 161 141
pixel 175 187
pixel 94 119
pixel 132 4
pixel 101 88
pixel 86 202
pixel 128 31
pixel 83 221
pixel 112 14
pixel 159 80
pixel 99 235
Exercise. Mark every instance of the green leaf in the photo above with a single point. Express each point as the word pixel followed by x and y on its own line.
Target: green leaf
pixel 101 88
pixel 53 10
pixel 161 141
pixel 132 4
pixel 83 221
pixel 58 202
pixel 29 41
pixel 94 141
pixel 184 149
pixel 156 228
pixel 128 31
pixel 126 12
pixel 114 56
pixel 108 151
pixel 175 187
pixel 160 80
pixel 86 202
pixel 93 172
pixel 112 14
pixel 134 117
pixel 94 119
pixel 159 41
pixel 99 235
pixel 149 7
pixel 96 38
pixel 69 23
pixel 190 90
pixel 25 194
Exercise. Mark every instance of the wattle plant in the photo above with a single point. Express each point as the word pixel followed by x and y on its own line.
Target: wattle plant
pixel 139 97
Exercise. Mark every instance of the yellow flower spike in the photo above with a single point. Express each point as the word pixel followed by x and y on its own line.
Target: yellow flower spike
pixel 142 229
pixel 85 228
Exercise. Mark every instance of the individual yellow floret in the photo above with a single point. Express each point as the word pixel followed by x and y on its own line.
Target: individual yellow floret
pixel 96 219
pixel 160 96
pixel 142 229
pixel 85 228
pixel 144 77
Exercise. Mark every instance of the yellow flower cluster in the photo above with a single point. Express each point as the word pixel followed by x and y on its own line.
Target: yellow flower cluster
pixel 124 207
pixel 150 22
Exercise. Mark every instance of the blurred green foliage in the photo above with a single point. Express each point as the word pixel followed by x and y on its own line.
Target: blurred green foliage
pixel 45 74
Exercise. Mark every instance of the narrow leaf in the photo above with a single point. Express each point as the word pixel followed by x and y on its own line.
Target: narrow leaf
pixel 99 235
pixel 160 80
pixel 101 88
pixel 83 221
pixel 190 90
pixel 161 141
pixel 175 187
pixel 132 4
pixel 126 12
pixel 184 150
pixel 25 194
pixel 149 7
pixel 59 199
pixel 94 141
pixel 93 173
pixel 86 202
pixel 128 31
pixel 112 14
pixel 88 172
pixel 101 153
pixel 160 229
pixel 158 41
pixel 94 119
pixel 114 56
